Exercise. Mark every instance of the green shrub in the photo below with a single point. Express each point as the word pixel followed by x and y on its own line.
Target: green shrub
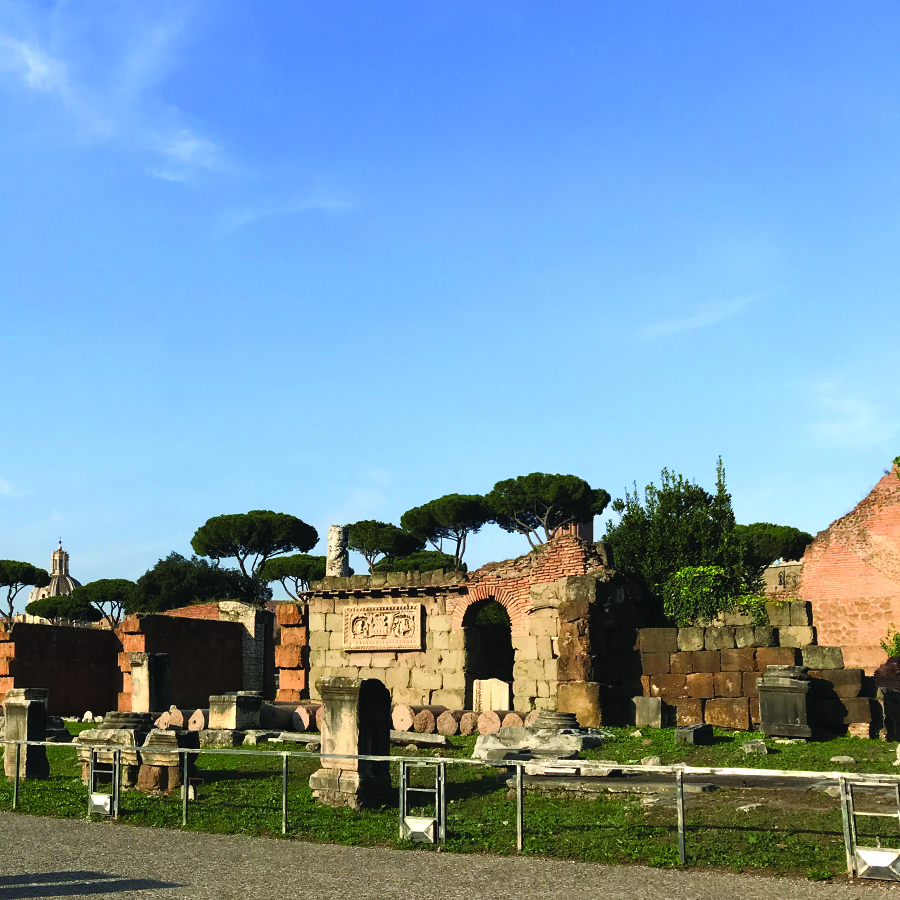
pixel 891 642
pixel 697 594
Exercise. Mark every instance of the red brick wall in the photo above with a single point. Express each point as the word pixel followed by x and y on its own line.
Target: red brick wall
pixel 205 655
pixel 851 575
pixel 200 611
pixel 77 665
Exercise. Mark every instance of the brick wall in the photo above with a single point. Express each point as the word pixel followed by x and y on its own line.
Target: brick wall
pixel 77 665
pixel 851 575
pixel 205 655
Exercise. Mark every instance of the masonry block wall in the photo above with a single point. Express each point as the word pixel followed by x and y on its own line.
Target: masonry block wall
pixel 206 655
pixel 77 665
pixel 530 588
pixel 709 674
pixel 851 575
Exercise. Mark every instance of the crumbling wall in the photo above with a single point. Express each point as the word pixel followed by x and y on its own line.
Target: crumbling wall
pixel 205 655
pixel 851 575
pixel 77 665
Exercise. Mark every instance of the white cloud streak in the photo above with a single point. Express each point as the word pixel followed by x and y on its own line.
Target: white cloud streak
pixel 8 489
pixel 846 419
pixel 707 315
pixel 321 203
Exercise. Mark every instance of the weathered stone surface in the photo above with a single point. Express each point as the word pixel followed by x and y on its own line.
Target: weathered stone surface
pixel 581 667
pixel 706 661
pixel 160 747
pixel 743 636
pixel 737 618
pixel 668 686
pixel 779 614
pixel 583 699
pixel 783 701
pixel 535 741
pixel 823 657
pixel 721 638
pixel 337 556
pixel 738 660
pixel 490 693
pixel 796 636
pixel 836 682
pixel 26 720
pixel 748 684
pixel 776 656
pixel 701 685
pixel 237 711
pixel 680 664
pixel 690 639
pixel 221 737
pixel 658 640
pixel 655 663
pixel 731 713
pixel 800 614
pixel 688 712
pixel 887 675
pixel 727 684
pixel 755 747
pixel 861 709
pixel 764 636
pixel 648 712
pixel 383 626
pixel 694 734
pixel 151 686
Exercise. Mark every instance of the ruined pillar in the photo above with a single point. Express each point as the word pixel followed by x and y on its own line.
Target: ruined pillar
pixel 151 685
pixel 26 720
pixel 337 560
pixel 577 690
pixel 257 645
pixel 357 721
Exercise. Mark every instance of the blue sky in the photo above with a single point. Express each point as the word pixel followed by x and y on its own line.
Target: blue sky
pixel 338 259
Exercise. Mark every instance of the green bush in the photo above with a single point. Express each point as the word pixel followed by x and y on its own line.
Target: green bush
pixel 891 642
pixel 697 594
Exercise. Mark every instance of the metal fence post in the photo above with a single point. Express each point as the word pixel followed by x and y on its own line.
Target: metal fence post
pixel 401 781
pixel 117 781
pixel 679 805
pixel 16 777
pixel 845 821
pixel 520 808
pixel 91 757
pixel 284 792
pixel 185 789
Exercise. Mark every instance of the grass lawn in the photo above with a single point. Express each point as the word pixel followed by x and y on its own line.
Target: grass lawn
pixel 791 831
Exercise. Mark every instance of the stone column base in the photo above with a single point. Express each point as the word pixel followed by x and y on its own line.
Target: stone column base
pixel 345 787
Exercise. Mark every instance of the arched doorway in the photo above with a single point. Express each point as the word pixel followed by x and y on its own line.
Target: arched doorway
pixel 488 643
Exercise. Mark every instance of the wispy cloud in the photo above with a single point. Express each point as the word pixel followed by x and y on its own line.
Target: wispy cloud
pixel 318 202
pixel 8 489
pixel 107 93
pixel 706 315
pixel 847 419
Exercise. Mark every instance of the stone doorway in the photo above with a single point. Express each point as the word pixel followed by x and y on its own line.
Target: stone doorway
pixel 489 653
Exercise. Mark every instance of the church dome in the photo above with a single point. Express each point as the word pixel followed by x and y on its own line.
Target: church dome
pixel 61 582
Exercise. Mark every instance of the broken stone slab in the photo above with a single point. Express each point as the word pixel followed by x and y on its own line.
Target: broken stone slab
pixel 652 761
pixel 755 747
pixel 105 741
pixel 405 738
pixel 595 768
pixel 843 760
pixel 598 785
pixel 698 735
pixel 254 737
pixel 293 737
pixel 554 734
pixel 748 807
pixel 221 737
pixel 161 747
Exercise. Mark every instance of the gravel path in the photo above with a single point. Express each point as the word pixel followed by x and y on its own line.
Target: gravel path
pixel 45 857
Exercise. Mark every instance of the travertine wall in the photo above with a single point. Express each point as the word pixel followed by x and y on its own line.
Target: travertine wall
pixel 851 575
pixel 530 588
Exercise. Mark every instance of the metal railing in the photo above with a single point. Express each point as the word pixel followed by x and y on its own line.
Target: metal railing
pixel 845 781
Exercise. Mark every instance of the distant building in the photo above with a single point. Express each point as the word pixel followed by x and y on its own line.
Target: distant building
pixel 61 582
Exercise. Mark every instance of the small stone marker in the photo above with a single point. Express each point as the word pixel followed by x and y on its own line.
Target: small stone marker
pixel 755 747
pixel 26 720
pixel 748 807
pixel 843 760
pixel 699 735
pixel 652 761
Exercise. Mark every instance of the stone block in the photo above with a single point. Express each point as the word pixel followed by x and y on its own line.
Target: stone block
pixel 861 709
pixel 397 677
pixel 522 689
pixel 316 622
pixel 736 618
pixel 530 668
pixel 647 712
pixel 288 657
pixel 658 640
pixel 26 720
pixel 719 638
pixel 701 685
pixel 743 636
pixel 679 664
pixel 690 639
pixel 754 710
pixel 654 663
pixel 544 689
pixel 727 684
pixel 543 626
pixel 455 699
pixel 452 659
pixel 413 659
pixel 426 680
pixel 334 622
pixel 706 661
pixel 454 681
pixel 292 679
pixel 776 656
pixel 733 713
pixel 815 657
pixel 842 683
pixel 764 636
pixel 800 614
pixel 748 684
pixel 779 614
pixel 411 696
pixel 575 668
pixel 318 640
pixel 457 640
pixel 545 647
pixel 440 640
pixel 288 614
pixel 583 699
pixel 432 659
pixel 689 712
pixel 221 737
pixel 699 735
pixel 739 660
pixel 336 659
pixel 796 635
pixel 237 711
pixel 383 660
pixel 438 623
pixel 580 592
pixel 672 687
pixel 525 646
pixel 336 641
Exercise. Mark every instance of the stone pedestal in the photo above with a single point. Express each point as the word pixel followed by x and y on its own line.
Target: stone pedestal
pixel 26 720
pixel 783 700
pixel 151 686
pixel 161 763
pixel 236 712
pixel 357 721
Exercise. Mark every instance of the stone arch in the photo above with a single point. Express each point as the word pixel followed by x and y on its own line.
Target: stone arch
pixel 506 595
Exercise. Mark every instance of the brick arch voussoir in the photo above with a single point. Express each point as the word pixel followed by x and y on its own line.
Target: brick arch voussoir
pixel 506 597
